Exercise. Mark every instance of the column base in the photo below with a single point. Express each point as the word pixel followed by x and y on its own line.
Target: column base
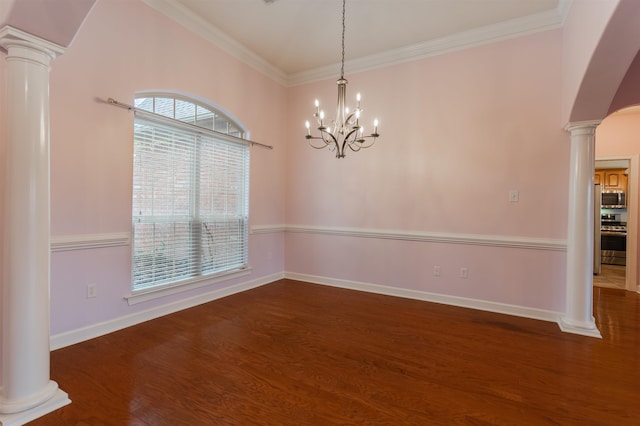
pixel 578 327
pixel 58 400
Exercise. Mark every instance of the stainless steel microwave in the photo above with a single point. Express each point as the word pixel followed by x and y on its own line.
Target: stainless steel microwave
pixel 614 199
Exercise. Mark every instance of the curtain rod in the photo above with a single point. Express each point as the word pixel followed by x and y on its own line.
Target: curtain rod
pixel 114 102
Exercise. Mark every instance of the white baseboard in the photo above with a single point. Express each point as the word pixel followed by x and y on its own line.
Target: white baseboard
pixel 464 302
pixel 86 333
pixel 95 330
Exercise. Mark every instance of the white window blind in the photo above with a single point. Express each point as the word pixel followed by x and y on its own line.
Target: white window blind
pixel 190 202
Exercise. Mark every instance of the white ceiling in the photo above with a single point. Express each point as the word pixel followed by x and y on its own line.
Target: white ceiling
pixel 299 40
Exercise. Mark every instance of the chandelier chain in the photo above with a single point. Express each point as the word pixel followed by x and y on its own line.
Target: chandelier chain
pixel 344 7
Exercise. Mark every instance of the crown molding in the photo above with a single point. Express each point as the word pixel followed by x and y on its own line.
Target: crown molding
pixel 183 16
pixel 477 37
pixel 481 36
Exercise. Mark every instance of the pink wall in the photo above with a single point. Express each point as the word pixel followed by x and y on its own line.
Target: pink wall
pixel 126 47
pixel 513 276
pixel 458 132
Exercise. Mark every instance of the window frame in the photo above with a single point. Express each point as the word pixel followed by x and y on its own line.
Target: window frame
pixel 238 135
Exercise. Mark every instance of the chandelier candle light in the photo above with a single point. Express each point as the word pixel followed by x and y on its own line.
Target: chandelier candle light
pixel 345 130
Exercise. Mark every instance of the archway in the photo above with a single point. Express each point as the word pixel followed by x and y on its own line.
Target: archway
pixel 604 76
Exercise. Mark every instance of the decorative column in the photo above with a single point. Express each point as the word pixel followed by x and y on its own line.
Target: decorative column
pixel 578 317
pixel 26 390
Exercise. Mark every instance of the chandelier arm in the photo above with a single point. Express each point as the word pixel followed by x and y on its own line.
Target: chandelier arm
pixel 355 148
pixel 325 143
pixel 330 140
pixel 350 138
pixel 322 138
pixel 372 135
pixel 333 140
pixel 323 146
pixel 334 145
pixel 349 119
pixel 344 143
pixel 361 142
pixel 351 132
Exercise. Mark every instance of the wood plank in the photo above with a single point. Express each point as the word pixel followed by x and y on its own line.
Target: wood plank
pixel 293 353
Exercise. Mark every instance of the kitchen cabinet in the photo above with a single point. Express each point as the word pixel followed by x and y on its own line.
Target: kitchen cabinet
pixel 611 179
pixel 615 179
pixel 598 179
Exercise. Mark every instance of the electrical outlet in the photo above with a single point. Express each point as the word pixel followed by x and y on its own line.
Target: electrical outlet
pixel 91 291
pixel 436 271
pixel 464 273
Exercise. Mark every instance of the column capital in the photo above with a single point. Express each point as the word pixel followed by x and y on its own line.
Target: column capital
pixel 11 37
pixel 582 127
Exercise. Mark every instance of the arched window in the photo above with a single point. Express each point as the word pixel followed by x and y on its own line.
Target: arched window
pixel 190 192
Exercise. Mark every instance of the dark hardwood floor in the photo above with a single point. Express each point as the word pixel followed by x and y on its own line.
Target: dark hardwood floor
pixel 293 353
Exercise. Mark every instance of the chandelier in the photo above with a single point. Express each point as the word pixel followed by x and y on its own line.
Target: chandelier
pixel 345 129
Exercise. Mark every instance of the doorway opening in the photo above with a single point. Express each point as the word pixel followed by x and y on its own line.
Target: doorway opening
pixel 618 223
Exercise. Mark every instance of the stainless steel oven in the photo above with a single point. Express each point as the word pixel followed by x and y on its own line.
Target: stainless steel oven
pixel 613 247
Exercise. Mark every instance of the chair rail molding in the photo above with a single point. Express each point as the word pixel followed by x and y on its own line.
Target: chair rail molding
pixel 89 241
pixel 531 243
